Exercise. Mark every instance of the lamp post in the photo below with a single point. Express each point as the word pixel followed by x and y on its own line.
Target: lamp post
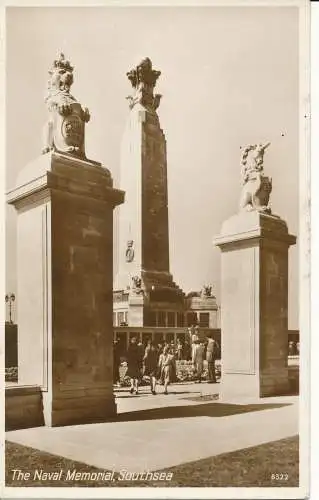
pixel 10 298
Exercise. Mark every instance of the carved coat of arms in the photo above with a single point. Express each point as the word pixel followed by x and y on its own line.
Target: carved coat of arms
pixel 64 130
pixel 129 254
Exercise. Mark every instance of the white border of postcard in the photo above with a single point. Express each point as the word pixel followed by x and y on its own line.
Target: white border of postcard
pixel 304 241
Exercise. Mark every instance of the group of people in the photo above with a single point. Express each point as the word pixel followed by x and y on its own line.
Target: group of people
pixel 208 352
pixel 158 361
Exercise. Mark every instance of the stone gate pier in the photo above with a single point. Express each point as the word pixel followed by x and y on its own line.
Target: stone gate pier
pixel 65 208
pixel 254 290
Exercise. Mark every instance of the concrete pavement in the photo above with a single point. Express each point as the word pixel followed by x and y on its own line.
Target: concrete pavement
pixel 156 432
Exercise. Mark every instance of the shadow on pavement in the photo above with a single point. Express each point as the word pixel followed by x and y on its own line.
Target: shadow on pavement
pixel 214 410
pixel 148 394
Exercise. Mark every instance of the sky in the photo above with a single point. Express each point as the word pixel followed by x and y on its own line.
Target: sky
pixel 230 77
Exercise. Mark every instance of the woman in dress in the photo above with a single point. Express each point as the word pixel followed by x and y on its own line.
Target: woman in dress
pixel 167 367
pixel 150 365
pixel 133 365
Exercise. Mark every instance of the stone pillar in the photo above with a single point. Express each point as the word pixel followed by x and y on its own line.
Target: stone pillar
pixel 65 268
pixel 254 289
pixel 65 275
pixel 143 220
pixel 254 305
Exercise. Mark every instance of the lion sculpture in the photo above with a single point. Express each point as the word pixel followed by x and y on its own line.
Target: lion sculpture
pixel 64 130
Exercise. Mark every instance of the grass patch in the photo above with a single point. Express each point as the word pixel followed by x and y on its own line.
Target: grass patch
pixel 249 467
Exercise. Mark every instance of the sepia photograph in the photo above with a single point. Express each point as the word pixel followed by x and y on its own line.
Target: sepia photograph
pixel 157 251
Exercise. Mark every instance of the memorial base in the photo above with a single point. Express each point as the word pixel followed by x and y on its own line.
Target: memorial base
pixel 235 385
pixel 136 309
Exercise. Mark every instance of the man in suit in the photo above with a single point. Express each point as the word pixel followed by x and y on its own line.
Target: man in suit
pixel 211 353
pixel 198 358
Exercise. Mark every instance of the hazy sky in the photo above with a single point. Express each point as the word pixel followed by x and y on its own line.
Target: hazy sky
pixel 229 78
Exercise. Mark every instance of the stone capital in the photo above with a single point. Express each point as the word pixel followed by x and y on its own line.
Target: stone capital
pixel 55 171
pixel 254 227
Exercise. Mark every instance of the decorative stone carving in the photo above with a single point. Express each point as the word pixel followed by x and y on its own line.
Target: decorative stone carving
pixel 143 79
pixel 206 291
pixel 137 285
pixel 64 131
pixel 129 254
pixel 256 187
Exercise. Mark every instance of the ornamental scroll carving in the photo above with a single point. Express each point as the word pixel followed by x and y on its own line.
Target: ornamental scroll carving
pixel 64 131
pixel 206 291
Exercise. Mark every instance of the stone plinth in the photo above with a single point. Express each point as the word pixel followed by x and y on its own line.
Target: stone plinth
pixel 254 305
pixel 136 309
pixel 65 274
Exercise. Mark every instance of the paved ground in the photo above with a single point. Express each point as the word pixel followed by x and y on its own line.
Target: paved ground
pixel 155 432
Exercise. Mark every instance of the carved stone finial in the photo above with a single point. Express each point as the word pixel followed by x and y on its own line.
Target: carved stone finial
pixel 206 291
pixel 64 130
pixel 256 187
pixel 143 79
pixel 137 285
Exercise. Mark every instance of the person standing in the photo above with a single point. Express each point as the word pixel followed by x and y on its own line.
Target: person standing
pixel 211 353
pixel 187 351
pixel 116 362
pixel 134 365
pixel 150 365
pixel 291 348
pixel 167 367
pixel 160 348
pixel 198 358
pixel 194 338
pixel 141 348
pixel 179 350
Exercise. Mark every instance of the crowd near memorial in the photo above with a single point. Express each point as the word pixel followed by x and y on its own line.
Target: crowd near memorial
pixel 157 362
